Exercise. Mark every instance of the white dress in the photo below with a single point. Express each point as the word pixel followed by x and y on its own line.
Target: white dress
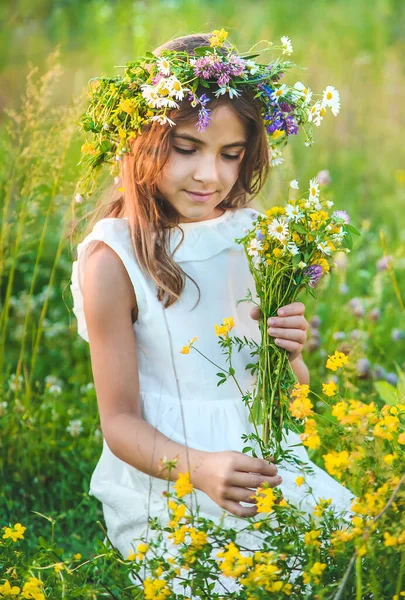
pixel 179 393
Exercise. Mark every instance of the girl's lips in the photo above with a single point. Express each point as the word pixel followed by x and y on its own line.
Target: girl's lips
pixel 200 197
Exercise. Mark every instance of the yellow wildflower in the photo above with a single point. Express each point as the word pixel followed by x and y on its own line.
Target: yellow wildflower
pixel 278 133
pixel 329 388
pixel 385 428
pixel 324 264
pixel 221 330
pixel 338 359
pixel 336 462
pixel 277 252
pixel 322 505
pixel 77 556
pixel 183 486
pixel 127 106
pixel 7 590
pixel 265 498
pixel 229 323
pixel 311 538
pixel 389 458
pixel 314 573
pixel 15 533
pixel 88 148
pixel 299 481
pixel 275 211
pixel 186 349
pixel 156 589
pixel 218 37
pixel 401 438
pixel 310 437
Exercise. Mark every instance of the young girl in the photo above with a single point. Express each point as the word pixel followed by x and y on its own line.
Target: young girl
pixel 160 267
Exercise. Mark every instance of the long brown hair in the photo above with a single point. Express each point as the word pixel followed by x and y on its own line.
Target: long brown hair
pixel 150 217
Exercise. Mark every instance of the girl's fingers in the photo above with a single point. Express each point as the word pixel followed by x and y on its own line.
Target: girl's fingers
pixel 239 511
pixel 296 322
pixel 292 335
pixel 295 308
pixel 289 346
pixel 255 313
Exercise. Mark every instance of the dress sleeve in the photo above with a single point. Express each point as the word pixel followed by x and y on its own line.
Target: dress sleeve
pixel 114 233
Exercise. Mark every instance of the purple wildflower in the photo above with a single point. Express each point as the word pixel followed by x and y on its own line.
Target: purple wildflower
pixel 314 272
pixel 341 214
pixel 384 262
pixel 259 235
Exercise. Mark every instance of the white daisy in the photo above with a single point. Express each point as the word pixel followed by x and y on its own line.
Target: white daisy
pixel 316 113
pixel 293 212
pixel 329 203
pixel 276 157
pixel 313 189
pixel 175 88
pixel 293 248
pixel 230 90
pixel 294 184
pixel 252 66
pixel 254 247
pixel 303 92
pixel 163 66
pixel 279 93
pixel 163 119
pixel 165 102
pixel 324 248
pixel 331 98
pixel 287 45
pixel 278 229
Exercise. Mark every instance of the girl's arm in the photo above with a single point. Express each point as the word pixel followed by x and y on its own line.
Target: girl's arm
pixel 109 298
pixel 300 369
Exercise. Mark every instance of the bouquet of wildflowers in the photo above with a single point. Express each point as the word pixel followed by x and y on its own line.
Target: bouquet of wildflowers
pixel 289 249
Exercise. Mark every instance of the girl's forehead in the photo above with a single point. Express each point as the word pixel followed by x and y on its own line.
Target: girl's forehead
pixel 224 124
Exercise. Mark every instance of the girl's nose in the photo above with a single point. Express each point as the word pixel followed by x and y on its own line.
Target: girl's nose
pixel 206 170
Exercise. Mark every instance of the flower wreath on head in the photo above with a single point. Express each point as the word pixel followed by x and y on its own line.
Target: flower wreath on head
pixel 151 85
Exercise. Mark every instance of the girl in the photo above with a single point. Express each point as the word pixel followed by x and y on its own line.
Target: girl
pixel 159 267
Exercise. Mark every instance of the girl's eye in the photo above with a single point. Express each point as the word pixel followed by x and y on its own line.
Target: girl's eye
pixel 227 156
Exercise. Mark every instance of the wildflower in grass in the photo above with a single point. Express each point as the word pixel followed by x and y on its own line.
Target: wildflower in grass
pixel 294 184
pixel 329 388
pixel 77 556
pixel 336 360
pixel 179 512
pixel 302 406
pixel 31 589
pixel 314 574
pixel 390 458
pixel 58 567
pixel 392 540
pixel 265 498
pixel 156 589
pixel 183 486
pixel 401 438
pixel 75 427
pixel 336 462
pixel 310 437
pixel 233 563
pixel 278 229
pixel 7 590
pixel 227 324
pixel 322 505
pixel 386 427
pixel 311 538
pixel 15 533
pixel 186 349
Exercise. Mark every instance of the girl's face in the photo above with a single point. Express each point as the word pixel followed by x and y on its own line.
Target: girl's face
pixel 205 163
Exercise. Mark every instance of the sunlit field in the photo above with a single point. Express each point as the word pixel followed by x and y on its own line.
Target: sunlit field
pixel 50 436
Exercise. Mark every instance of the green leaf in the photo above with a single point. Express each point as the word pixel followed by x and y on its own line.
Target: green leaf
pixel 299 228
pixel 387 392
pixel 400 383
pixel 348 241
pixel 247 449
pixel 221 382
pixel 231 371
pixel 201 50
pixel 352 229
pixel 204 83
pixel 222 375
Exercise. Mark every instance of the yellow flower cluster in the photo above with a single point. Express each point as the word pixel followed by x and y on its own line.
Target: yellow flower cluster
pixel 387 426
pixel 373 502
pixel 329 388
pixel 310 437
pixel 336 462
pixel 314 574
pixel 31 589
pixel 156 589
pixel 322 505
pixel 6 589
pixel 186 349
pixel 264 497
pixel 338 359
pixel 354 412
pixel 183 486
pixel 218 37
pixel 227 325
pixel 299 481
pixel 15 533
pixel 311 538
pixel 301 407
pixel 142 549
pixel 392 540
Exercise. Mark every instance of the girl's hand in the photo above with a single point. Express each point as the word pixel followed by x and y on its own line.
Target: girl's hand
pixel 229 477
pixel 289 327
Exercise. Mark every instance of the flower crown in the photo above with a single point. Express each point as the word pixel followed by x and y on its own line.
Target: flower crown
pixel 120 106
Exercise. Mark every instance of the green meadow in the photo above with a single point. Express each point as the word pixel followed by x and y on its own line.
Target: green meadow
pixel 50 437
